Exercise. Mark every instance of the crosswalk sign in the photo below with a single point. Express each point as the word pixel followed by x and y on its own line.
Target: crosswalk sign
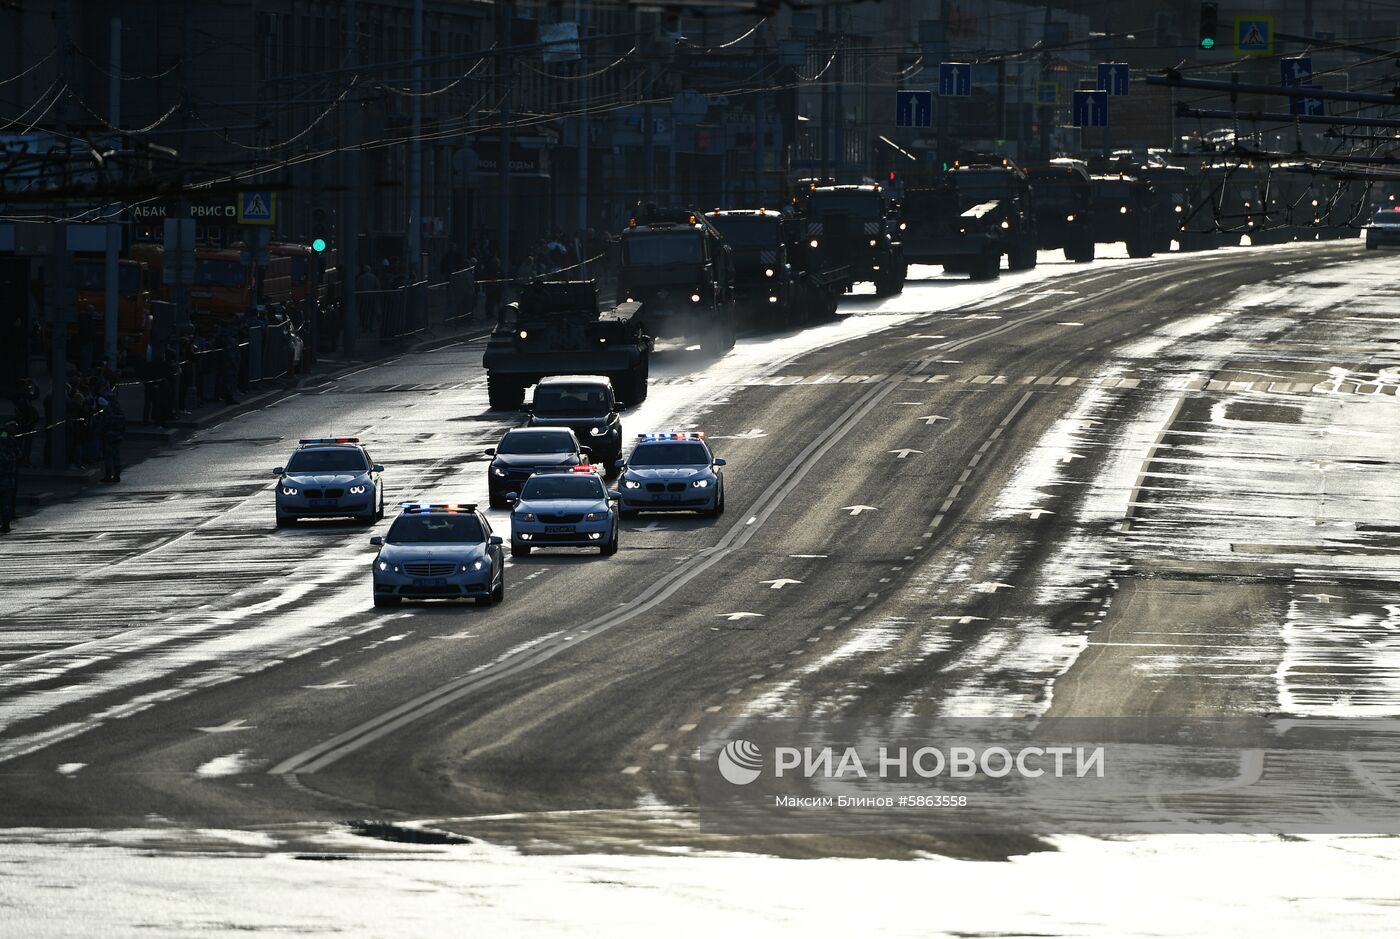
pixel 1254 35
pixel 257 207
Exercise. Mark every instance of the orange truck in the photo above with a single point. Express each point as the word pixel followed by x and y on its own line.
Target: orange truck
pixel 133 300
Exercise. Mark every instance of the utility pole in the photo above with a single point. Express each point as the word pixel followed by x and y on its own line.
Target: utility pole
pixel 580 18
pixel 183 274
pixel 415 154
pixel 838 124
pixel 826 98
pixel 58 271
pixel 348 223
pixel 647 43
pixel 503 19
pixel 114 117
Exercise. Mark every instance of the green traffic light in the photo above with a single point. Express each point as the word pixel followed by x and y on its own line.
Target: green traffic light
pixel 318 245
pixel 1207 43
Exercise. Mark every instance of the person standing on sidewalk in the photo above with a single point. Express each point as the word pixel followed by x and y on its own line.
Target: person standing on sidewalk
pixel 9 474
pixel 111 424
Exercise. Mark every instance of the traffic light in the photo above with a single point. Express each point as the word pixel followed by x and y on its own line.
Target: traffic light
pixel 320 228
pixel 1210 22
pixel 318 245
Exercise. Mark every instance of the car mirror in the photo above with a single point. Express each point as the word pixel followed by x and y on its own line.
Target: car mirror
pixel 619 464
pixel 720 461
pixel 496 539
pixel 377 541
pixel 586 451
pixel 512 497
pixel 490 451
pixel 279 471
pixel 378 467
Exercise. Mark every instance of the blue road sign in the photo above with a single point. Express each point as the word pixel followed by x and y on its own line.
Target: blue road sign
pixel 1296 70
pixel 1047 93
pixel 913 108
pixel 1113 78
pixel 955 79
pixel 257 207
pixel 1091 109
pixel 1309 107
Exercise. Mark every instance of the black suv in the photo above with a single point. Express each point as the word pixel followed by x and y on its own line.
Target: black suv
pixel 584 404
pixel 528 450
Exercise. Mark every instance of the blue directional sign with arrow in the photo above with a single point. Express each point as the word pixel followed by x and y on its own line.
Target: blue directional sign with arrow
pixel 1113 78
pixel 955 79
pixel 1309 107
pixel 1091 109
pixel 1296 70
pixel 913 108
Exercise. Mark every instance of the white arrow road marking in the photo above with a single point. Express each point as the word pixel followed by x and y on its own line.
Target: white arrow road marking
pixel 857 509
pixel 740 615
pixel 932 418
pixel 991 586
pixel 1322 597
pixel 1037 513
pixel 1071 457
pixel 903 452
pixel 462 635
pixel 746 435
pixel 228 728
pixel 333 686
pixel 68 769
pixel 647 529
pixel 780 583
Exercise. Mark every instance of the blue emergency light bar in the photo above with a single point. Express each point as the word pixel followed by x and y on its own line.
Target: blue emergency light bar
pixel 448 507
pixel 315 440
pixel 681 435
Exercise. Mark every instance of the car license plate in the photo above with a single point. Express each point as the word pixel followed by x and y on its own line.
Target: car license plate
pixel 322 503
pixel 558 529
pixel 672 496
pixel 430 581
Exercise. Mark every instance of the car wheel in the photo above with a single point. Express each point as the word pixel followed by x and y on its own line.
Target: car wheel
pixel 379 516
pixel 498 593
pixel 369 519
pixel 719 502
pixel 609 549
pixel 286 521
pixel 386 601
pixel 519 550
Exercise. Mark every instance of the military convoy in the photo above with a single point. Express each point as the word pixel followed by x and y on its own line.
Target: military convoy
pixel 970 218
pixel 780 283
pixel 855 226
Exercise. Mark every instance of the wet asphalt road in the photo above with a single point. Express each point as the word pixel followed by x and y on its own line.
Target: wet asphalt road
pixel 170 655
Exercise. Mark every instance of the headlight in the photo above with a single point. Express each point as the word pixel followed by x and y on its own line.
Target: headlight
pixel 497 471
pixel 631 484
pixel 1178 208
pixel 769 272
pixel 358 490
pixel 597 431
pixel 699 483
pixel 595 516
pixel 695 298
pixel 903 226
pixel 383 565
pixel 1122 210
pixel 813 242
pixel 772 299
pixel 476 565
pixel 1005 224
pixel 524 517
pixel 524 334
pixel 872 242
pixel 1069 218
pixel 289 490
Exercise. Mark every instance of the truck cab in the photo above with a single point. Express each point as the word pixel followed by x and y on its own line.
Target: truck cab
pixel 677 268
pixel 1064 208
pixel 856 225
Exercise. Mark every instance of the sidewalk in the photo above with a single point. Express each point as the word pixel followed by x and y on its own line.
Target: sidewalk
pixel 40 485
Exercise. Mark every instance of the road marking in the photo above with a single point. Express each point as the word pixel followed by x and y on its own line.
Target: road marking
pixel 631 771
pixel 659 747
pixel 714 709
pixel 686 728
pixel 69 769
pixel 738 616
pixel 461 635
pixel 333 686
pixel 857 509
pixel 1321 597
pixel 932 418
pixel 903 452
pixel 806 555
pixel 228 728
pixel 991 586
pixel 746 435
pixel 647 529
pixel 779 583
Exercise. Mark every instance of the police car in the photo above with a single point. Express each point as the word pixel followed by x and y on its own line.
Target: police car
pixel 673 472
pixel 439 551
pixel 329 477
pixel 563 509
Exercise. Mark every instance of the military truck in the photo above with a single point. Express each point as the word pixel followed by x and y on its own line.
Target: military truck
pixel 855 226
pixel 777 284
pixel 557 328
pixel 1124 211
pixel 972 216
pixel 1064 208
pixel 677 268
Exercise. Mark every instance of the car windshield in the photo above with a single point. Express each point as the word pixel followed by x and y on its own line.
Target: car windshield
pixel 518 443
pixel 670 454
pixel 863 204
pixel 563 486
pixel 219 273
pixel 747 231
pixel 925 203
pixel 570 399
pixel 92 275
pixel 975 188
pixel 436 529
pixel 1387 217
pixel 328 460
pixel 655 248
